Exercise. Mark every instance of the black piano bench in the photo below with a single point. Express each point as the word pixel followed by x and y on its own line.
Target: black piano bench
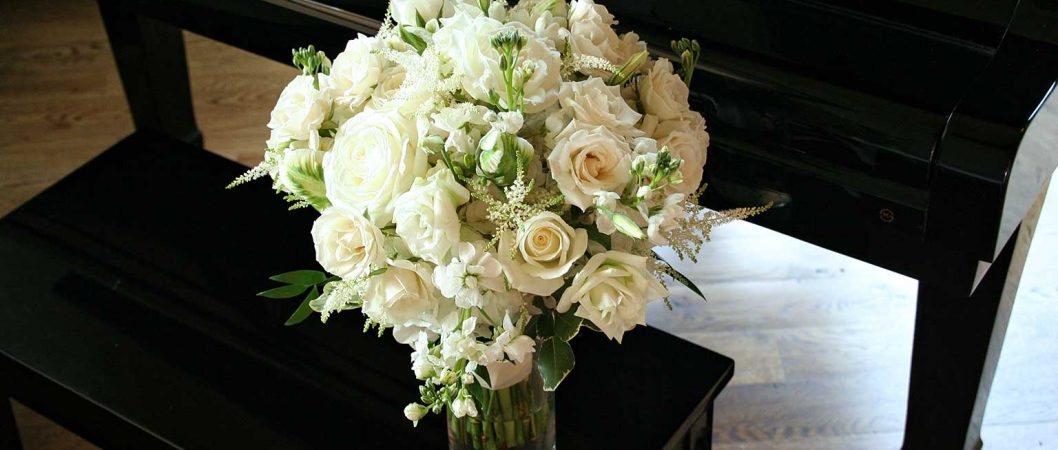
pixel 128 314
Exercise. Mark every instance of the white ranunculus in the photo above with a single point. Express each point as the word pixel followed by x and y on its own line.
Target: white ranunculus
pixel 688 144
pixel 347 244
pixel 663 93
pixel 405 11
pixel 300 111
pixel 587 161
pixel 375 158
pixel 355 72
pixel 466 41
pixel 469 276
pixel 592 103
pixel 402 296
pixel 591 33
pixel 426 215
pixel 613 290
pixel 545 247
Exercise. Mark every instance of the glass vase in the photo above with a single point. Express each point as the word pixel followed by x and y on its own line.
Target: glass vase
pixel 519 417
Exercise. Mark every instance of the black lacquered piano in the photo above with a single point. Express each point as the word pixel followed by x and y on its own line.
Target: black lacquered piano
pixel 905 133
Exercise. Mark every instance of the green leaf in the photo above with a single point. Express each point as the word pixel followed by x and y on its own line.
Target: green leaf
pixel 676 275
pixel 304 310
pixel 555 362
pixel 411 39
pixel 301 277
pixel 289 291
pixel 419 20
pixel 567 324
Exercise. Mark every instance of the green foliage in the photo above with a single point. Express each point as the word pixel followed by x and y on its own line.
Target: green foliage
pixel 304 310
pixel 301 277
pixel 555 360
pixel 567 324
pixel 288 291
pixel 412 39
pixel 689 51
pixel 676 275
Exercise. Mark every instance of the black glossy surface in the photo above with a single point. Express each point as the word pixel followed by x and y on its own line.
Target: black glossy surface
pixel 128 286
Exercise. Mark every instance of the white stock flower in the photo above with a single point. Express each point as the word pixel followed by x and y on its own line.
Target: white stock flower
pixel 463 405
pixel 426 215
pixel 415 412
pixel 402 296
pixel 587 161
pixel 592 103
pixel 665 219
pixel 688 144
pixel 300 111
pixel 663 93
pixel 591 33
pixel 469 276
pixel 466 41
pixel 355 72
pixel 613 289
pixel 517 346
pixel 347 244
pixel 540 253
pixel 405 12
pixel 375 158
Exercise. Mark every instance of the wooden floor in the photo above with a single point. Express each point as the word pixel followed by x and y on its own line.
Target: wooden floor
pixel 822 342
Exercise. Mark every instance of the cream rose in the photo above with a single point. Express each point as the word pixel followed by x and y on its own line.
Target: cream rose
pixel 402 296
pixel 426 215
pixel 466 41
pixel 300 110
pixel 688 144
pixel 587 161
pixel 408 12
pixel 355 72
pixel 663 93
pixel 592 103
pixel 375 158
pixel 613 290
pixel 591 33
pixel 544 248
pixel 347 245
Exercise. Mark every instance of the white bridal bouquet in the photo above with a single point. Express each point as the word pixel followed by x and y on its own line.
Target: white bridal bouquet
pixel 490 179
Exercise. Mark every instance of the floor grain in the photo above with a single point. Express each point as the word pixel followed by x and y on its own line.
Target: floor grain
pixel 822 342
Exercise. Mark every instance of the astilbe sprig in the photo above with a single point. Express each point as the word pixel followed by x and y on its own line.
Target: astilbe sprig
pixel 520 205
pixel 693 228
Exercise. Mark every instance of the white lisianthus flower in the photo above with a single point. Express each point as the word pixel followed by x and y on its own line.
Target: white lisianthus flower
pixel 544 249
pixel 613 289
pixel 470 274
pixel 375 158
pixel 592 103
pixel 426 215
pixel 355 72
pixel 402 296
pixel 408 12
pixel 663 93
pixel 466 41
pixel 688 144
pixel 591 33
pixel 300 111
pixel 587 161
pixel 665 219
pixel 347 244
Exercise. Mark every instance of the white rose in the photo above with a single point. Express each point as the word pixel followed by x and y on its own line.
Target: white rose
pixel 688 144
pixel 591 33
pixel 545 247
pixel 300 111
pixel 663 93
pixel 426 215
pixel 592 103
pixel 466 41
pixel 374 159
pixel 402 296
pixel 587 161
pixel 347 245
pixel 613 289
pixel 356 71
pixel 408 12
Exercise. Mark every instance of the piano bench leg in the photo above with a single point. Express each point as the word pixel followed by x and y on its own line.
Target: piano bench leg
pixel 956 350
pixel 8 428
